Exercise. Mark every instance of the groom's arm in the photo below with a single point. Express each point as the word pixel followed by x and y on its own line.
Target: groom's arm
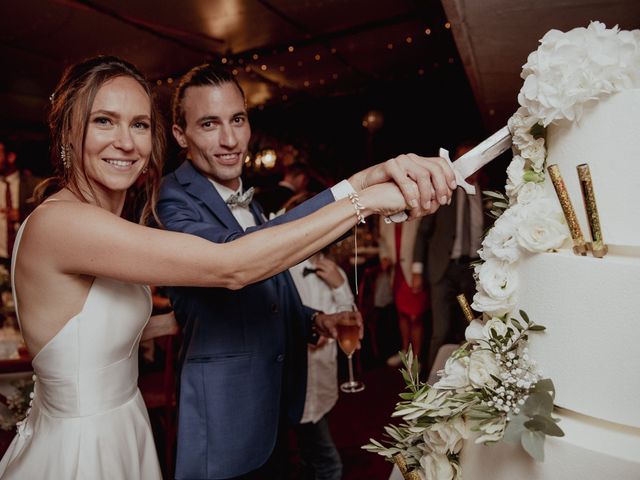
pixel 179 212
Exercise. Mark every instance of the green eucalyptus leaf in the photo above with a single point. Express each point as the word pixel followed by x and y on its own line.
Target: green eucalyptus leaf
pixel 517 324
pixel 515 429
pixel 548 425
pixel 545 386
pixel 537 328
pixel 533 444
pixel 538 403
pixel 524 316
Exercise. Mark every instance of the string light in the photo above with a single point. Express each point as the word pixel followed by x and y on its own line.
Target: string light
pixel 169 80
pixel 282 68
pixel 317 57
pixel 306 83
pixel 409 39
pixel 333 50
pixel 427 31
pixel 263 67
pixel 224 60
pixel 447 25
pixel 390 46
pixel 291 49
pixel 255 56
pixel 158 82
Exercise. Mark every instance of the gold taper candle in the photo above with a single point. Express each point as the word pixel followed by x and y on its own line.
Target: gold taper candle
pixel 598 248
pixel 400 462
pixel 413 475
pixel 580 247
pixel 464 305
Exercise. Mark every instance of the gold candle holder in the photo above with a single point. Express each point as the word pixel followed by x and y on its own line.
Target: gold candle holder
pixel 580 246
pixel 598 247
pixel 466 309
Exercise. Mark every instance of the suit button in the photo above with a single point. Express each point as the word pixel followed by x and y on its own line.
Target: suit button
pixel 274 308
pixel 280 358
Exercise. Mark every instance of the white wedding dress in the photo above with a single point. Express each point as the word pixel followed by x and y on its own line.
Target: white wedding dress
pixel 88 419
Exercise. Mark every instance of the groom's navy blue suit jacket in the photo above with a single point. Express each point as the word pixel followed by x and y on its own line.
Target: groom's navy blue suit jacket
pixel 244 355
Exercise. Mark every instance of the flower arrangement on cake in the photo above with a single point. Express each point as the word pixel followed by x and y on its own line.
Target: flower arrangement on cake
pixel 490 385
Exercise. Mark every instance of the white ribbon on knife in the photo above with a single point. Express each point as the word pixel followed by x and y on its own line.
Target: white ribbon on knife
pixel 469 163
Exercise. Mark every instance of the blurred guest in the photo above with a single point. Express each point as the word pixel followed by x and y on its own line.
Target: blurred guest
pixel 16 197
pixel 446 246
pixel 322 285
pixel 295 181
pixel 396 242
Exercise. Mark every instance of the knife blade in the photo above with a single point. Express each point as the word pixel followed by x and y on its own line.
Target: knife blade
pixel 480 155
pixel 469 163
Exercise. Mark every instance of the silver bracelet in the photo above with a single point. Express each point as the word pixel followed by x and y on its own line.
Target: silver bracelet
pixel 355 201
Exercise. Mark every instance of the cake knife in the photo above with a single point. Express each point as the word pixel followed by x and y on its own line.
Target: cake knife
pixel 469 163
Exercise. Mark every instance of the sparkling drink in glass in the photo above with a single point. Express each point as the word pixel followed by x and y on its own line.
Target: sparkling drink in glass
pixel 348 338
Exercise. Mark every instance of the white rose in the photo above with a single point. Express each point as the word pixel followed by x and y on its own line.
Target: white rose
pixel 483 364
pixel 497 325
pixel 535 152
pixel 445 437
pixel 436 466
pixel 542 228
pixel 530 192
pixel 485 303
pixel 496 283
pixel 475 332
pixel 515 174
pixel 500 241
pixel 454 375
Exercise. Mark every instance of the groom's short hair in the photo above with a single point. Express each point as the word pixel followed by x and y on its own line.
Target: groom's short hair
pixel 200 76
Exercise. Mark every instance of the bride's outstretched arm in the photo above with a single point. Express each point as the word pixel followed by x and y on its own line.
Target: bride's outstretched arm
pixel 76 238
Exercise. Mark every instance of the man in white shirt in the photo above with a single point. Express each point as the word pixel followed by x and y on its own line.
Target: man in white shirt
pixel 322 285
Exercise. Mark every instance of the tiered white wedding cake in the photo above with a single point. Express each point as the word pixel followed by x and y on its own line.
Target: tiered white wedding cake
pixel 492 411
pixel 591 310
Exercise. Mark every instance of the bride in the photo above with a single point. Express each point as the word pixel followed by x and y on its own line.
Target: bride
pixel 80 271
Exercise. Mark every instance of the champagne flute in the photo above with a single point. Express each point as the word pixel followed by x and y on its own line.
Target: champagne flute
pixel 348 338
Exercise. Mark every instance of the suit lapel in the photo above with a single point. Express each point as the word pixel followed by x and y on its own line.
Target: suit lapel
pixel 257 212
pixel 200 188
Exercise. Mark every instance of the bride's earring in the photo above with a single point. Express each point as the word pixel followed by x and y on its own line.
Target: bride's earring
pixel 65 156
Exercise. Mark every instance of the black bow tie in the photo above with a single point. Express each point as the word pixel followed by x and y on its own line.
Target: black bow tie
pixel 240 199
pixel 307 271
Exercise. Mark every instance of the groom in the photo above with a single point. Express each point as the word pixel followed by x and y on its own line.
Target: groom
pixel 244 355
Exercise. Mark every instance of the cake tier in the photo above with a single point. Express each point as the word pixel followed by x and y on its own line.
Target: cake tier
pixel 607 139
pixel 590 347
pixel 590 449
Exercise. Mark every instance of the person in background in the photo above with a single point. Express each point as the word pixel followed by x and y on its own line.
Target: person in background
pixel 322 285
pixel 446 246
pixel 396 242
pixel 244 361
pixel 16 197
pixel 295 181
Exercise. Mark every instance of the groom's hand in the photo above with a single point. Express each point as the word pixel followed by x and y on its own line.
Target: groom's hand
pixel 425 182
pixel 326 324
